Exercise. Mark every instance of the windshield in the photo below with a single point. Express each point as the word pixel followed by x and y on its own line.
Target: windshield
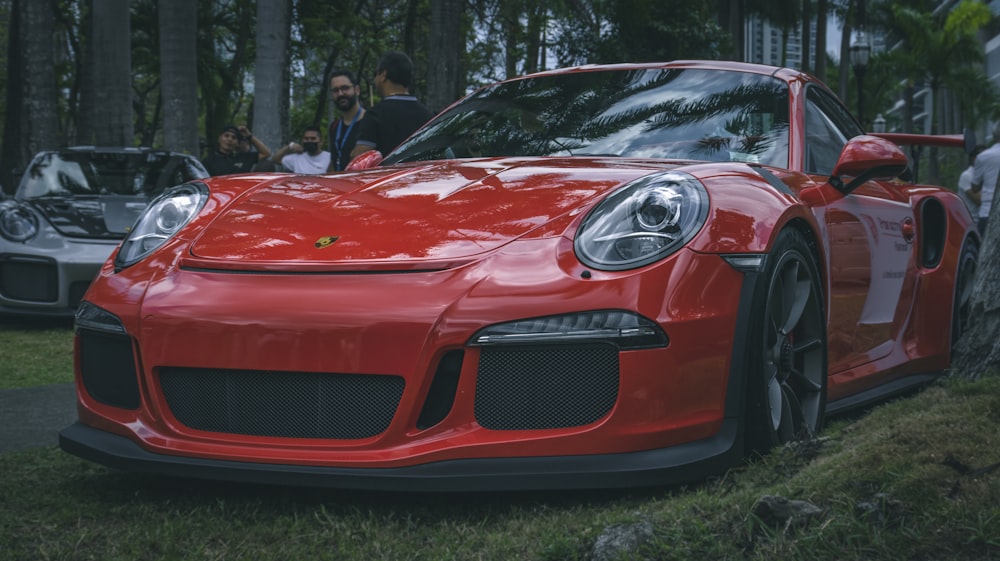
pixel 693 114
pixel 62 174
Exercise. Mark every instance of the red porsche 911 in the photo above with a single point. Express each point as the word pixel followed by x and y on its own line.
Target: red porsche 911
pixel 602 276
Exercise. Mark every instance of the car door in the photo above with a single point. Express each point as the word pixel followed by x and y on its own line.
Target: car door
pixel 870 245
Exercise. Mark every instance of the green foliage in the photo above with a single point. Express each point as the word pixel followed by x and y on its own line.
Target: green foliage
pixel 650 31
pixel 503 38
pixel 225 57
pixel 640 31
pixel 941 47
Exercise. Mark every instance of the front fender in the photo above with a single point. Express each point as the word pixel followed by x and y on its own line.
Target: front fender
pixel 748 206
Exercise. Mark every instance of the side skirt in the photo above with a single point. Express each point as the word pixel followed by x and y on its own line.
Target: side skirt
pixel 881 393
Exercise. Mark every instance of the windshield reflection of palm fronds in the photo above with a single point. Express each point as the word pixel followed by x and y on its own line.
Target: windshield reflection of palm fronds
pixel 638 112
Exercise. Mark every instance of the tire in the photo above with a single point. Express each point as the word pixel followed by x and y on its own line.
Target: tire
pixel 965 276
pixel 787 368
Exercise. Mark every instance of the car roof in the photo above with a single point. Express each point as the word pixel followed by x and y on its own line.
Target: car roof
pixel 787 74
pixel 116 150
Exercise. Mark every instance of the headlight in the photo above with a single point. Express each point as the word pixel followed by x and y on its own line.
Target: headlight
pixel 163 218
pixel 643 222
pixel 17 222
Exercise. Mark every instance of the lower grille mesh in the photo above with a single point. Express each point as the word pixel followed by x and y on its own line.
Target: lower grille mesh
pixel 282 404
pixel 526 388
pixel 29 280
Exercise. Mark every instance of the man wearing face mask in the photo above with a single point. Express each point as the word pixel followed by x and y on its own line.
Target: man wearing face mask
pixel 307 158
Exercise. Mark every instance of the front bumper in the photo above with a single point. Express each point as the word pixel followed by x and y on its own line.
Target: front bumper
pixel 667 466
pixel 49 281
pixel 670 416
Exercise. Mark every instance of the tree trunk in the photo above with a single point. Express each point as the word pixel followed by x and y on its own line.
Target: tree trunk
pixel 41 122
pixel 325 111
pixel 410 29
pixel 845 61
pixel 446 45
pixel 112 73
pixel 821 17
pixel 731 19
pixel 85 119
pixel 978 350
pixel 807 37
pixel 909 94
pixel 11 156
pixel 537 19
pixel 271 76
pixel 178 21
pixel 511 30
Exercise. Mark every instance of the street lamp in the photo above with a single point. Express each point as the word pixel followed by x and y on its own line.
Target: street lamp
pixel 861 49
pixel 878 125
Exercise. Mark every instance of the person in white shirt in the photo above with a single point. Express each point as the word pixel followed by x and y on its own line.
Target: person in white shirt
pixel 985 173
pixel 307 158
pixel 965 183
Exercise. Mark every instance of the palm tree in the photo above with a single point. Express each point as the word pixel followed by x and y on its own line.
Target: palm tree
pixel 178 62
pixel 271 76
pixel 939 51
pixel 446 43
pixel 112 73
pixel 786 15
pixel 40 125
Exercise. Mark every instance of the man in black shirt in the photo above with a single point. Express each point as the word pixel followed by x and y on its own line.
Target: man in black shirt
pixel 343 132
pixel 228 158
pixel 392 120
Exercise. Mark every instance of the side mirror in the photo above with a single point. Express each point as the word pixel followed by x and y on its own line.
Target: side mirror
pixel 365 160
pixel 867 157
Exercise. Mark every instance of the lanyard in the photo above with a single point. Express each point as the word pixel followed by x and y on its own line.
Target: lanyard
pixel 339 141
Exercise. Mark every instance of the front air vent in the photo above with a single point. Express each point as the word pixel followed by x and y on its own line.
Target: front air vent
pixel 108 368
pixel 545 387
pixel 441 396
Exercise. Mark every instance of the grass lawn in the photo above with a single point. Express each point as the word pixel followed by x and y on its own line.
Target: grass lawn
pixel 914 479
pixel 35 352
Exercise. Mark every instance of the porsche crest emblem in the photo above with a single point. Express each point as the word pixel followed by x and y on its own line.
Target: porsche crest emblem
pixel 326 241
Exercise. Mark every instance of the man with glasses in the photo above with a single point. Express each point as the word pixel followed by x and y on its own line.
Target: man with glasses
pixel 343 132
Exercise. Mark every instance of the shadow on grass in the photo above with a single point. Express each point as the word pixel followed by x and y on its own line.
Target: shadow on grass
pixel 33 323
pixel 98 484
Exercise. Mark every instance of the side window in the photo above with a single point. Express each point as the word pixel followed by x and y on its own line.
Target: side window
pixel 828 128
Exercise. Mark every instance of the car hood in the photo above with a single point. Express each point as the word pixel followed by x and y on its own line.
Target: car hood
pixel 96 216
pixel 444 212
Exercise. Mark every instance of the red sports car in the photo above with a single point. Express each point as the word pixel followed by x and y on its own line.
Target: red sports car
pixel 602 276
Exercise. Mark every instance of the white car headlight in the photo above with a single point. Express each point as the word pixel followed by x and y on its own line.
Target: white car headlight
pixel 17 222
pixel 163 218
pixel 642 222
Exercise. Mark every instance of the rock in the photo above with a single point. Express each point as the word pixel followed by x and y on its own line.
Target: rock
pixel 621 541
pixel 882 509
pixel 782 512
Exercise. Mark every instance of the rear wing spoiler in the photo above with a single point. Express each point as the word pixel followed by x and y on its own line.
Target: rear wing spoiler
pixel 916 142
